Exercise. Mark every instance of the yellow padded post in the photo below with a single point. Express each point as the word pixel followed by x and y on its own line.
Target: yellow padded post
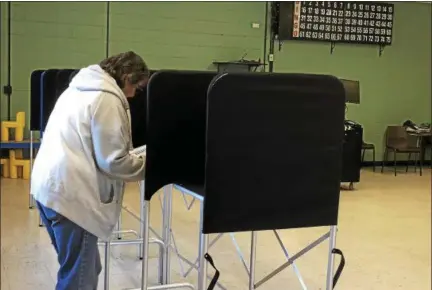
pixel 16 163
pixel 19 130
pixel 5 167
pixel 4 132
pixel 20 118
pixel 19 155
pixel 18 125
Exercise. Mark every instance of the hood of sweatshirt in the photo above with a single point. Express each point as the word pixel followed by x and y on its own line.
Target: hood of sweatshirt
pixel 94 78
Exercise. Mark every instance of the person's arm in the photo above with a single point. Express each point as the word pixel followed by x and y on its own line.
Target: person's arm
pixel 110 136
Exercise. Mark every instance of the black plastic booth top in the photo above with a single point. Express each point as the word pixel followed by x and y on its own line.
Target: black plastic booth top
pixel 35 100
pixel 53 84
pixel 265 150
pixel 138 110
pixel 274 151
pixel 48 96
pixel 176 127
pixel 63 81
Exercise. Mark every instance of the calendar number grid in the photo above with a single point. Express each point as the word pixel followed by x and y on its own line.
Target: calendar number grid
pixel 349 22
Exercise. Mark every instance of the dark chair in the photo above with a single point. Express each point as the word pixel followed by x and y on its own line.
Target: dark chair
pixel 369 146
pixel 398 141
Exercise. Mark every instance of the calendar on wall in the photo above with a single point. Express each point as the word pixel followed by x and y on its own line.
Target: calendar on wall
pixel 337 21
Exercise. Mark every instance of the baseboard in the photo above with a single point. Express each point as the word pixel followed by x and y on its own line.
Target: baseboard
pixel 426 163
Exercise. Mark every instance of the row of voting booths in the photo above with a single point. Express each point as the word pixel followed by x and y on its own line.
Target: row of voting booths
pixel 227 140
pixel 45 87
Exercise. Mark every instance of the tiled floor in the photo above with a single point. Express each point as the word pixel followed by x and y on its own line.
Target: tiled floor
pixel 384 231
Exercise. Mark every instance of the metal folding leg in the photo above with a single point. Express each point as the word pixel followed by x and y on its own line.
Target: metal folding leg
pixel 296 270
pixel 249 269
pixel 330 266
pixel 203 248
pixel 32 202
pixel 252 261
pixel 40 221
pixel 107 253
pixel 31 199
pixel 118 231
pixel 331 235
pixel 145 246
pixel 138 241
pixel 166 233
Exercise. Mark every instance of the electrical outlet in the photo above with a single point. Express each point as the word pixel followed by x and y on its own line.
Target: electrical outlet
pixel 255 25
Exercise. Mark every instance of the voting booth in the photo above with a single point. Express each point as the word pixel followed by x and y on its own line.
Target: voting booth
pixel 235 132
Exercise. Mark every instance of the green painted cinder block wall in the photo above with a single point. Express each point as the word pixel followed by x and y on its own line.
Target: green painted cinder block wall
pixel 3 57
pixel 394 87
pixel 191 35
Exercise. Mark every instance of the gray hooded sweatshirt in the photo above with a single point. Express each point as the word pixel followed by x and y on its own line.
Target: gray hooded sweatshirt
pixel 84 157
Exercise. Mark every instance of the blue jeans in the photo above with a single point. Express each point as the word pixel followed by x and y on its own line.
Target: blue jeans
pixel 77 252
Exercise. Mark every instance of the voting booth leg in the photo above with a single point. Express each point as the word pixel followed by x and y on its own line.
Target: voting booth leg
pixel 117 232
pixel 165 245
pixel 139 241
pixel 40 221
pixel 332 277
pixel 145 247
pixel 107 253
pixel 141 186
pixel 31 199
pixel 141 217
pixel 330 266
pixel 166 233
pixel 250 269
pixel 203 265
pixel 287 256
pixel 252 261
pixel 203 248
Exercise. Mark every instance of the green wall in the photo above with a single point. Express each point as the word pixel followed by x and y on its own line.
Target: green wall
pixel 191 35
pixel 187 35
pixel 394 87
pixel 52 34
pixel 3 57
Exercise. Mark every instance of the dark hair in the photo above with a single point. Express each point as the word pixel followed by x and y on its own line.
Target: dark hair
pixel 127 64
